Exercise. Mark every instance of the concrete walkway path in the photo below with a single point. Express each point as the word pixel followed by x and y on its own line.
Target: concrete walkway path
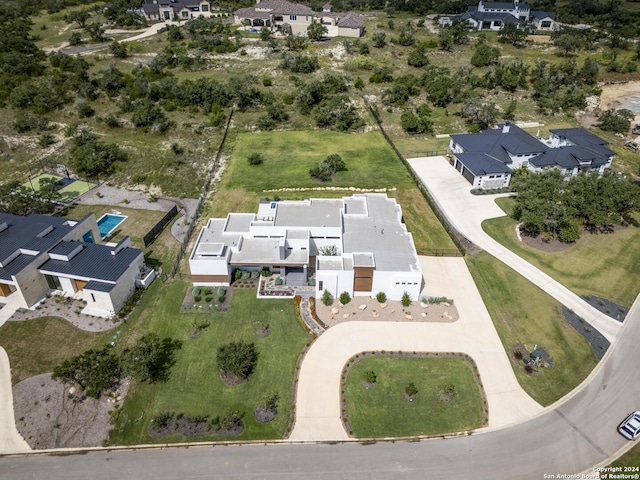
pixel 318 395
pixel 10 440
pixel 466 212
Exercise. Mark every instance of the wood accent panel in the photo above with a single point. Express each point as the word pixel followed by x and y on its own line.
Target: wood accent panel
pixel 210 278
pixel 79 284
pixel 5 290
pixel 362 284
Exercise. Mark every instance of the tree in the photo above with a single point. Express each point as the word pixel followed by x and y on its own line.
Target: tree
pixel 174 33
pixel 617 121
pixel 147 114
pixel 151 358
pixel 567 42
pixel 255 159
pixel 479 113
pixel 327 298
pixel 17 199
pixel 93 158
pixel 237 359
pixel 345 298
pixel 295 43
pixel 379 39
pixel 265 34
pixel 94 371
pixel 417 57
pixel 79 16
pixel 459 31
pixel 445 40
pixel 316 31
pixel 411 390
pixel 484 55
pixel 75 39
pixel 513 34
pixel 118 50
pixel 96 32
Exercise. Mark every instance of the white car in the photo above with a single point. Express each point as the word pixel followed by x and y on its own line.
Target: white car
pixel 630 428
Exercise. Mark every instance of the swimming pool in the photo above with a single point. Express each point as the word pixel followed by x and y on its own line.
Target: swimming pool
pixel 108 222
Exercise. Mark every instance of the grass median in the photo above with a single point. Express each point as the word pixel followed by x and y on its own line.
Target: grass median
pixel 382 410
pixel 523 313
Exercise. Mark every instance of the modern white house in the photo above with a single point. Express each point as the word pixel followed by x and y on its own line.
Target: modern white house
pixel 162 10
pixel 495 15
pixel 354 244
pixel 487 159
pixel 284 16
pixel 40 255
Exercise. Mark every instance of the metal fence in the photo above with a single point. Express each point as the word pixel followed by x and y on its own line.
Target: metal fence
pixel 201 199
pixel 158 227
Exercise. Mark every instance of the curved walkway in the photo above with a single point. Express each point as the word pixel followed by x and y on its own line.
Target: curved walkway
pixel 318 396
pixel 466 212
pixel 10 440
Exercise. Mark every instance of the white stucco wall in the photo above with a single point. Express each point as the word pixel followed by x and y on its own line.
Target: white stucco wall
pixel 391 283
pixel 336 281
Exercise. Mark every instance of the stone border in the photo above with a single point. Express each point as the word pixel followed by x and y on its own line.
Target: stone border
pixel 403 354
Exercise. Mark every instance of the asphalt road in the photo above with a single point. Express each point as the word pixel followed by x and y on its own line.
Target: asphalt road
pixel 572 437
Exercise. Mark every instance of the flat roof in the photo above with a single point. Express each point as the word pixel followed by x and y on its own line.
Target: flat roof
pixel 267 251
pixel 239 222
pixel 309 213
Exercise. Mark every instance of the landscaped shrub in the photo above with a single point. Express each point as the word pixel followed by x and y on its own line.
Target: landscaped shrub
pixel 345 298
pixel 381 297
pixel 279 281
pixel 255 159
pixel 237 359
pixel 197 298
pixel 370 376
pixel 406 299
pixel 411 390
pixel 237 274
pixel 208 298
pixel 246 275
pixel 265 272
pixel 255 275
pixel 222 298
pixel 327 298
pixel 221 290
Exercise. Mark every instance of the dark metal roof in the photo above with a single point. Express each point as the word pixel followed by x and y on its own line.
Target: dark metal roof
pixel 541 14
pixel 16 265
pixel 99 286
pixel 504 5
pixel 94 262
pixel 482 164
pixel 64 248
pixel 568 157
pixel 28 233
pixel 585 139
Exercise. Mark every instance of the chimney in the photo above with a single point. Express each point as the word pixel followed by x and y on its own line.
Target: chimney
pixel 506 126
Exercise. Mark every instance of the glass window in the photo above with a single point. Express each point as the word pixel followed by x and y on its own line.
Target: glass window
pixel 53 282
pixel 292 17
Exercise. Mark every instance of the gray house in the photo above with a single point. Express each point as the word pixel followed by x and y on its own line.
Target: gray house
pixel 487 159
pixel 40 254
pixel 495 15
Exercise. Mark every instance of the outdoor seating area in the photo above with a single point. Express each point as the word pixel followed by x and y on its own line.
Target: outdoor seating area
pixel 274 287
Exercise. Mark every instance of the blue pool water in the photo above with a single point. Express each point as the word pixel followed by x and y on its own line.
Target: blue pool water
pixel 109 222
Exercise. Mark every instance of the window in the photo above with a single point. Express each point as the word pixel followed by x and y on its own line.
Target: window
pixel 321 285
pixel 185 14
pixel 53 282
pixel 93 297
pixel 545 24
pixel 292 17
pixel 205 7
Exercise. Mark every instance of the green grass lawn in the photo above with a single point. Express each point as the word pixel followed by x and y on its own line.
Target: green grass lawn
pixel 36 346
pixel 522 313
pixel 383 410
pixel 606 265
pixel 195 387
pixel 289 156
pixel 629 459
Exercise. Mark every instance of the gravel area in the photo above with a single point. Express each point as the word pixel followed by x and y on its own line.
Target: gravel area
pixel 47 418
pixel 392 312
pixel 114 196
pixel 599 344
pixel 68 309
pixel 615 311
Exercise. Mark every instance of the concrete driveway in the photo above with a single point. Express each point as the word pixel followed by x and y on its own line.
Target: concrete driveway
pixel 318 395
pixel 10 440
pixel 467 212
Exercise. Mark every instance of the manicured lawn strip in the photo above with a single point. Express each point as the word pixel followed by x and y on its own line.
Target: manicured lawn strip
pixel 522 313
pixel 606 265
pixel 195 387
pixel 36 346
pixel 629 459
pixel 383 411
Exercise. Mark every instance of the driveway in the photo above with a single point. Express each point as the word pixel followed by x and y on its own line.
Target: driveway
pixel 466 212
pixel 318 395
pixel 10 440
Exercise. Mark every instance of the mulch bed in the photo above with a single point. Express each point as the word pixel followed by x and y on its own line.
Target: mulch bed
pixel 265 415
pixel 215 306
pixel 612 309
pixel 541 243
pixel 195 427
pixel 599 344
pixel 262 331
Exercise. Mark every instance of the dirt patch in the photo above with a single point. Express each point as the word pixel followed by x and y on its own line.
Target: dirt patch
pixel 368 385
pixel 543 244
pixel 263 331
pixel 445 396
pixel 410 398
pixel 391 311
pixel 47 416
pixel 230 379
pixel 614 95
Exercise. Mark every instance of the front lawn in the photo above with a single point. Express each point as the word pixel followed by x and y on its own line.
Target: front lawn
pixel 383 411
pixel 288 157
pixel 523 313
pixel 195 387
pixel 606 265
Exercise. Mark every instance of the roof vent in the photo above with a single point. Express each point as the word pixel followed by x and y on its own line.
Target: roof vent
pixel 3 226
pixel 45 231
pixel 506 127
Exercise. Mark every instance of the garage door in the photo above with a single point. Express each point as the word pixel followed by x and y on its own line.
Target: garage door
pixel 468 175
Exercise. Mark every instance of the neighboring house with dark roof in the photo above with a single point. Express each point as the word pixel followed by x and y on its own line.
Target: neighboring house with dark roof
pixel 495 15
pixel 280 15
pixel 372 249
pixel 487 159
pixel 163 10
pixel 40 254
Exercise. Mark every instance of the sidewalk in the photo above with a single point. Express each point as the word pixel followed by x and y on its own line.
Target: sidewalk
pixel 317 405
pixel 10 440
pixel 466 212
